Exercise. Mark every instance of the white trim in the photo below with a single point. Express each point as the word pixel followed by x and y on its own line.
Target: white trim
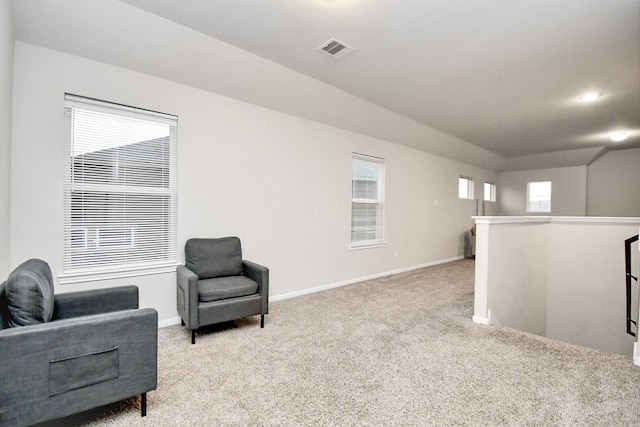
pixel 357 246
pixel 169 322
pixel 359 279
pixel 511 219
pixel 65 279
pixel 595 220
pixel 176 320
pixel 556 219
pixel 480 320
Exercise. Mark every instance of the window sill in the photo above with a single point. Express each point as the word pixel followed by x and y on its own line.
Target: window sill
pixel 92 276
pixel 369 245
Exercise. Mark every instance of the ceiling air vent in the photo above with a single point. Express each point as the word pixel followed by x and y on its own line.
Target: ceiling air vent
pixel 335 48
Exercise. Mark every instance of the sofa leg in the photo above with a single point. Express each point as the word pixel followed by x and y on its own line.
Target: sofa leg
pixel 143 404
pixel 193 336
pixel 262 320
pixel 181 322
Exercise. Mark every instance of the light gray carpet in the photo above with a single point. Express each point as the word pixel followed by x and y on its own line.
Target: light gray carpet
pixel 400 350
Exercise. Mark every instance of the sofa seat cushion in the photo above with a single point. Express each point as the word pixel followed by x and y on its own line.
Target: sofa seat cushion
pixel 29 293
pixel 225 287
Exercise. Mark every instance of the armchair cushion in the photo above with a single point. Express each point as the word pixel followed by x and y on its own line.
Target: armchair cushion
pixel 225 287
pixel 210 258
pixel 29 293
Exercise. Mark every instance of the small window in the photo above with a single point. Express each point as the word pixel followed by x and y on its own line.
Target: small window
pixel 539 196
pixel 367 195
pixel 119 190
pixel 465 188
pixel 489 192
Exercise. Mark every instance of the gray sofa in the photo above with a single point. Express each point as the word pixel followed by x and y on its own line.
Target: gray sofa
pixel 68 353
pixel 216 285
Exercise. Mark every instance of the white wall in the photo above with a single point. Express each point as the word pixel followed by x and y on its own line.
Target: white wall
pixel 511 257
pixel 614 184
pixel 6 83
pixel 560 277
pixel 586 285
pixel 279 182
pixel 568 190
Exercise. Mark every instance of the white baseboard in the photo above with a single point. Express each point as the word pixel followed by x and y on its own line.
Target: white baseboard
pixel 480 320
pixel 176 320
pixel 360 279
pixel 636 354
pixel 169 322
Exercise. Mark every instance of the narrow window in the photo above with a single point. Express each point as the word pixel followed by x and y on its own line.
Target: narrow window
pixel 539 196
pixel 489 192
pixel 119 189
pixel 367 201
pixel 465 187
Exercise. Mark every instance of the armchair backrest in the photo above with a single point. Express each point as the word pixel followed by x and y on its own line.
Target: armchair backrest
pixel 209 258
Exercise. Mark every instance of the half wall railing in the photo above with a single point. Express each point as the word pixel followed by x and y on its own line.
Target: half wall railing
pixel 629 283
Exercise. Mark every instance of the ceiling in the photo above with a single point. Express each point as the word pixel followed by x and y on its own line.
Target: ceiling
pixel 501 75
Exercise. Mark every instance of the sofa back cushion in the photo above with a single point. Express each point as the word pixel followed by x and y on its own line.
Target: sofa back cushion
pixel 29 293
pixel 209 258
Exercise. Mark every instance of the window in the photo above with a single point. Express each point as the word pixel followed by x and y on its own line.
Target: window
pixel 489 192
pixel 465 188
pixel 539 196
pixel 367 194
pixel 119 190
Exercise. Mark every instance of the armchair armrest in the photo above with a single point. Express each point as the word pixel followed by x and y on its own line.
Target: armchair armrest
pixel 84 303
pixel 187 296
pixel 55 369
pixel 259 274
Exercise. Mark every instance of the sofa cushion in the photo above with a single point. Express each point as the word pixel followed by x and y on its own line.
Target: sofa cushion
pixel 29 293
pixel 225 288
pixel 209 258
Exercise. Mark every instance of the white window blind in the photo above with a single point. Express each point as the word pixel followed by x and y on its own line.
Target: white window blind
pixel 367 194
pixel 120 193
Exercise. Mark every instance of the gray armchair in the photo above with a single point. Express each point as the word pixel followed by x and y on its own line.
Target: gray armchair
pixel 71 352
pixel 216 285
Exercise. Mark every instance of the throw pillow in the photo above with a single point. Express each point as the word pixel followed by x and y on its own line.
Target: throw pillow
pixel 29 292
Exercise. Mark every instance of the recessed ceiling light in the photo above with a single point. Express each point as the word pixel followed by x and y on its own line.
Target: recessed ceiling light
pixel 619 136
pixel 589 97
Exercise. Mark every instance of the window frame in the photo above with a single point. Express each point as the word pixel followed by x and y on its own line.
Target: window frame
pixel 528 199
pixel 379 240
pixel 114 237
pixel 470 188
pixel 492 191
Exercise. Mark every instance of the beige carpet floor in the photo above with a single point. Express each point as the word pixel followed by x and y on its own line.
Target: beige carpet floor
pixel 396 351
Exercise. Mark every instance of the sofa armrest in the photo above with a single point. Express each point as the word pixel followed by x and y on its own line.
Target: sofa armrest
pixel 55 369
pixel 259 274
pixel 96 301
pixel 187 296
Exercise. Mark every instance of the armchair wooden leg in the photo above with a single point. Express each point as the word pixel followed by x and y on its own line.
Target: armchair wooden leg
pixel 262 320
pixel 193 336
pixel 143 404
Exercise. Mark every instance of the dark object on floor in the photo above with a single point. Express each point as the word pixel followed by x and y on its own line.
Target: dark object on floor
pixel 470 243
pixel 216 285
pixel 71 352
